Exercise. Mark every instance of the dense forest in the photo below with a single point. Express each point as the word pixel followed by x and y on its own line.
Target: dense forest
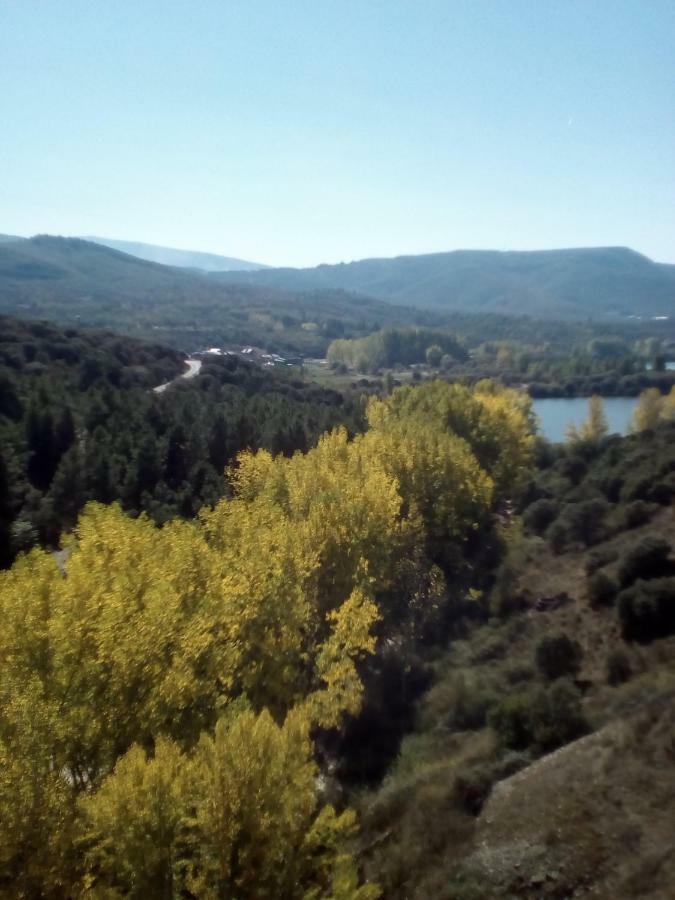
pixel 609 366
pixel 302 645
pixel 76 283
pixel 166 690
pixel 396 346
pixel 79 421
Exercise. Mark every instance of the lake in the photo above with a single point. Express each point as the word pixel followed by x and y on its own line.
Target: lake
pixel 555 414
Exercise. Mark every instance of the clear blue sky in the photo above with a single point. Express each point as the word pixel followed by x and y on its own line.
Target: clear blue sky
pixel 299 132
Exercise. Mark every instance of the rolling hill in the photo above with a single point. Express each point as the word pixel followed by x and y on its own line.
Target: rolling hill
pixel 577 283
pixel 75 282
pixel 185 259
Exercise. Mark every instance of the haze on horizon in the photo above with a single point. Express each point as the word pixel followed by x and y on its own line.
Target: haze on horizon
pixel 295 134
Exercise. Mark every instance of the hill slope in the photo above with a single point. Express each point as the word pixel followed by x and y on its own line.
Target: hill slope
pixel 76 282
pixel 611 281
pixel 184 259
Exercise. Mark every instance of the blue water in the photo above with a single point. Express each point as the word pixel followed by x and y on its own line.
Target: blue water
pixel 556 413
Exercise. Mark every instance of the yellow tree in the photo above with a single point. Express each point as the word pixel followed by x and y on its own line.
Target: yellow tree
pixel 595 428
pixel 648 410
pixel 258 829
pixel 134 826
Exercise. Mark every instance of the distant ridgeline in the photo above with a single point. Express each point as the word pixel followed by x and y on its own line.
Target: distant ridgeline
pixel 79 422
pixel 77 283
pixel 396 346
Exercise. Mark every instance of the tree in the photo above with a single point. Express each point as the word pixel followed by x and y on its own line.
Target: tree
pixel 258 828
pixel 595 428
pixel 135 824
pixel 648 410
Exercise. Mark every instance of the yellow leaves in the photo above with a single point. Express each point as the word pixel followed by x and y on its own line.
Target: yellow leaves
pixel 350 639
pixel 594 428
pixel 36 800
pixel 237 817
pixel 494 421
pixel 133 822
pixel 271 596
pixel 652 409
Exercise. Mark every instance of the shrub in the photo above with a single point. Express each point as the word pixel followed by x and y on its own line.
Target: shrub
pixel 638 513
pixel 618 667
pixel 472 786
pixel 473 783
pixel 511 720
pixel 557 656
pixel 601 589
pixel 542 719
pixel 596 559
pixel 469 703
pixel 646 560
pixel 518 673
pixel 647 609
pixel 558 536
pixel 585 521
pixel 540 514
pixel 556 716
pixel 505 598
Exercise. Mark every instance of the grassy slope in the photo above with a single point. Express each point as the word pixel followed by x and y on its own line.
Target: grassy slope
pixel 592 819
pixel 556 283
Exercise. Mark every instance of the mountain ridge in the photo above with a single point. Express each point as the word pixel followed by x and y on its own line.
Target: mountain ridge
pixel 177 257
pixel 570 282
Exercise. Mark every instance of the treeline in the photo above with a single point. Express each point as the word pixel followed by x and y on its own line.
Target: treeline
pixel 79 422
pixel 396 346
pixel 609 367
pixel 160 693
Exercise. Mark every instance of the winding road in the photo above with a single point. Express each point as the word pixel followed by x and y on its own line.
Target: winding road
pixel 194 365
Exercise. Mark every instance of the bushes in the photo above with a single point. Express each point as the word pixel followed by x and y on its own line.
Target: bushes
pixel 558 656
pixel 647 609
pixel 583 522
pixel 540 514
pixel 638 513
pixel 473 783
pixel 601 589
pixel 543 719
pixel 646 560
pixel 596 559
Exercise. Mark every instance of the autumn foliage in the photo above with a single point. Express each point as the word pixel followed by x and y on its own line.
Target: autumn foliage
pixel 160 693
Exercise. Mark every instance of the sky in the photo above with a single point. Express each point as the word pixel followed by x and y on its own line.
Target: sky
pixel 295 133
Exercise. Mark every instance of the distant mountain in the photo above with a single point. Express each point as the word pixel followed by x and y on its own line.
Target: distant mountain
pixel 597 283
pixel 75 282
pixel 10 238
pixel 184 259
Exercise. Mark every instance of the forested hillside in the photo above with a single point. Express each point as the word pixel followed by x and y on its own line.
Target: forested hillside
pixel 540 762
pixel 79 422
pixel 167 694
pixel 74 282
pixel 603 282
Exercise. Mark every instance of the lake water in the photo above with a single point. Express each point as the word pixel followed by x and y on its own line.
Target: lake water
pixel 556 413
